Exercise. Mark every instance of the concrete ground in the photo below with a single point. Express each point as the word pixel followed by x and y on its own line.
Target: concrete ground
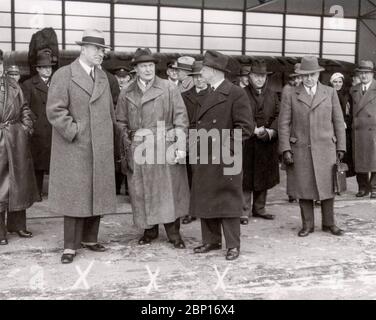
pixel 274 263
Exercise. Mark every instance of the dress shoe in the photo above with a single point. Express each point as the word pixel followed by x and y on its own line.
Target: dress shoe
pixel 144 240
pixel 3 242
pixel 266 216
pixel 232 254
pixel 244 221
pixel 305 232
pixel 207 247
pixel 67 258
pixel 24 234
pixel 361 194
pixel 188 219
pixel 373 195
pixel 95 247
pixel 179 244
pixel 333 230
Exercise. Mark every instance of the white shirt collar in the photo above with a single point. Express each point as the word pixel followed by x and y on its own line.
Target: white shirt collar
pixel 314 88
pixel 176 82
pixel 367 85
pixel 86 67
pixel 217 84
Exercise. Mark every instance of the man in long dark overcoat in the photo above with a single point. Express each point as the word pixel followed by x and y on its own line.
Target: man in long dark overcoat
pixel 260 154
pixel 311 135
pixel 193 98
pixel 35 90
pixel 216 195
pixel 82 180
pixel 364 125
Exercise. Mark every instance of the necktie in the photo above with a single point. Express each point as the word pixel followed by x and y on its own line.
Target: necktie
pixel 92 74
pixel 213 88
pixel 311 92
pixel 364 89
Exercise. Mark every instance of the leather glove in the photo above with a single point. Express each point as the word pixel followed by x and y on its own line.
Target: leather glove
pixel 340 155
pixel 287 158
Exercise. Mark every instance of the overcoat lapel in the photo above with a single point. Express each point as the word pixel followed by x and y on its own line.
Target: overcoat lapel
pixel 39 84
pixel 153 92
pixel 99 84
pixel 215 97
pixel 368 96
pixel 81 78
pixel 320 96
pixel 303 96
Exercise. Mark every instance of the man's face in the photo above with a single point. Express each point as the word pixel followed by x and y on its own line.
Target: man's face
pixel 258 79
pixel 172 73
pixel 310 79
pixel 297 80
pixel 145 70
pixel 123 80
pixel 182 74
pixel 365 76
pixel 337 83
pixel 244 80
pixel 355 80
pixel 44 72
pixel 207 73
pixel 93 54
pixel 199 81
pixel 15 76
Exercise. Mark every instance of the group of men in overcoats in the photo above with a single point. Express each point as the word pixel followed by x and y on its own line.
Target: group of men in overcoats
pixel 307 126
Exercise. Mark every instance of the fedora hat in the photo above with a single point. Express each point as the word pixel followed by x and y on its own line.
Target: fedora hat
pixel 143 55
pixel 259 66
pixel 44 59
pixel 244 71
pixel 216 60
pixel 171 64
pixel 184 63
pixel 308 65
pixel 13 69
pixel 94 37
pixel 365 65
pixel 196 69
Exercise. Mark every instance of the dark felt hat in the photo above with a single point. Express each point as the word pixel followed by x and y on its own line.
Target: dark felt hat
pixel 44 59
pixel 259 66
pixel 143 55
pixel 216 60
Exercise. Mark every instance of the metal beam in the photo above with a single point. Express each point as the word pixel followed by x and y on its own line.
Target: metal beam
pixel 262 4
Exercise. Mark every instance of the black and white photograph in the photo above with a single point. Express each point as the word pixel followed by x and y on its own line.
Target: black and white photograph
pixel 200 152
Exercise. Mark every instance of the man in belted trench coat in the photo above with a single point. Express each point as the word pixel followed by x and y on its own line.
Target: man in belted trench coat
pixel 364 129
pixel 216 196
pixel 18 189
pixel 35 90
pixel 311 137
pixel 150 113
pixel 82 181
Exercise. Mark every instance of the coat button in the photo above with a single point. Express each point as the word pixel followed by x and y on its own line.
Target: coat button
pixel 215 121
pixel 198 122
pixel 369 129
pixel 369 116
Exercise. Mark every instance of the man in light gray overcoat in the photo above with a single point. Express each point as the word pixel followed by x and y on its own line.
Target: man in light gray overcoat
pixel 311 138
pixel 82 180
